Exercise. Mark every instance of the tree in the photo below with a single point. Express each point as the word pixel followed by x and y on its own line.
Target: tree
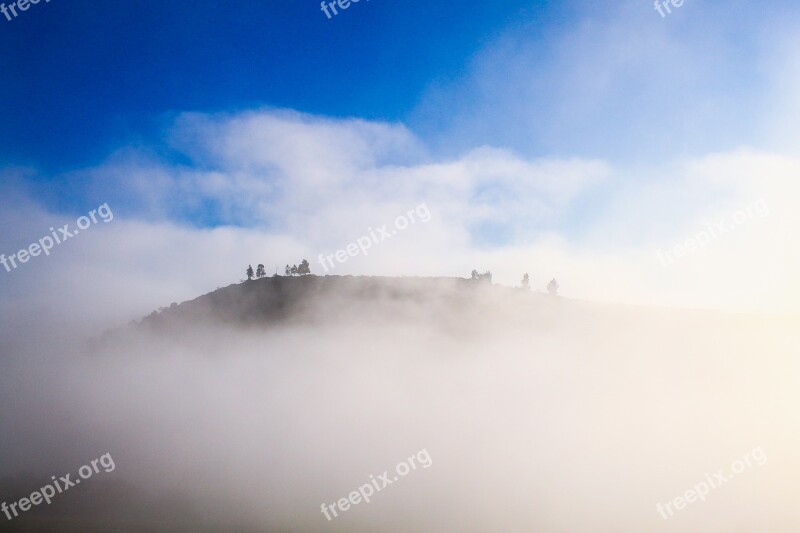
pixel 526 282
pixel 294 270
pixel 552 287
pixel 304 268
pixel 260 272
pixel 249 272
pixel 486 276
pixel 288 271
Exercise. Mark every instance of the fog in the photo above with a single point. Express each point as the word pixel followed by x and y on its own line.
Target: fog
pixel 155 157
pixel 538 413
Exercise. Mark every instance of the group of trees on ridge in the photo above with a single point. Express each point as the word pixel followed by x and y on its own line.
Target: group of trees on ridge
pixel 305 269
pixel 294 270
pixel 552 287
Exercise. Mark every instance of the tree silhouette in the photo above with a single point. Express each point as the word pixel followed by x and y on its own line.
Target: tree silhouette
pixel 294 270
pixel 260 272
pixel 486 276
pixel 304 268
pixel 249 272
pixel 552 287
pixel 288 271
pixel 526 282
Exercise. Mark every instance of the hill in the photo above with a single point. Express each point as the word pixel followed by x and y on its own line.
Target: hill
pixel 311 299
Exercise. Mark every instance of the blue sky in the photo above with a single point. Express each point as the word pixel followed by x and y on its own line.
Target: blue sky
pixel 81 77
pixel 564 79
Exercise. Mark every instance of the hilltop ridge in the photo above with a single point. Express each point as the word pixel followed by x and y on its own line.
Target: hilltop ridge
pixel 309 298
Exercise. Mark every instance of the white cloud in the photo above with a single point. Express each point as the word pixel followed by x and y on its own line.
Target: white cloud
pixel 491 209
pixel 615 80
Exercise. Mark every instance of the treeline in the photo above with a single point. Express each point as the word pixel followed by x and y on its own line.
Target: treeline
pixel 486 277
pixel 294 270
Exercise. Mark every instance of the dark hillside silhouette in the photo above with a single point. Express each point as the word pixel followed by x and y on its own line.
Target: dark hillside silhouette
pixel 310 298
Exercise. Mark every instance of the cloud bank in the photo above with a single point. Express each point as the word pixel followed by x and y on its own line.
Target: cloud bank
pixel 276 186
